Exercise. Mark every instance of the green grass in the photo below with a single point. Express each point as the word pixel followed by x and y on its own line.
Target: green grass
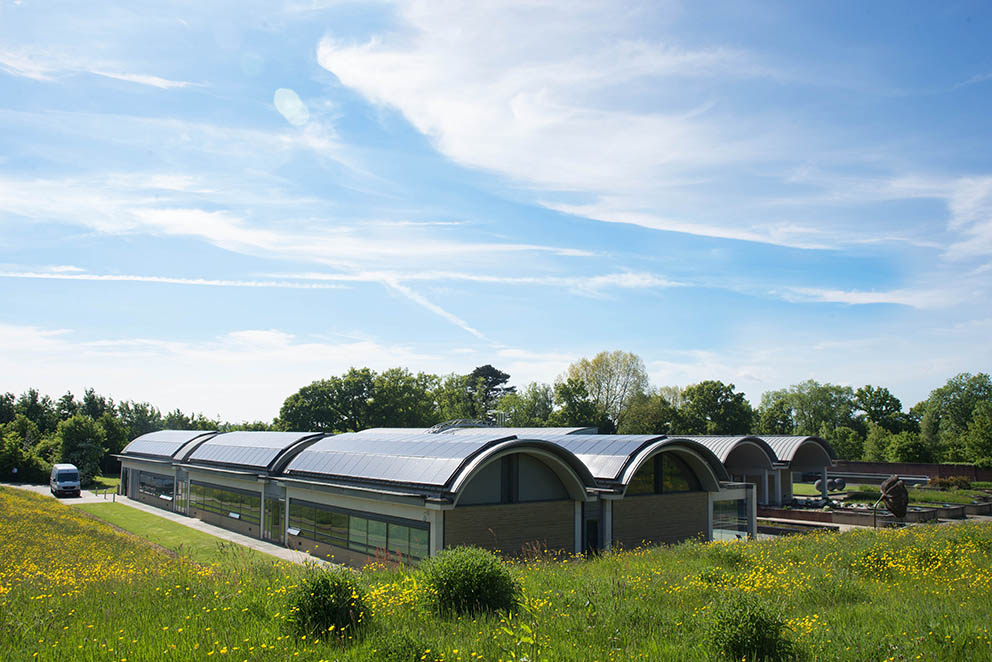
pixel 73 590
pixel 198 546
pixel 918 496
pixel 807 489
pixel 105 482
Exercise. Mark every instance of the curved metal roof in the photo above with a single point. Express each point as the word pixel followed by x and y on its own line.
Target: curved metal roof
pixel 688 443
pixel 786 447
pixel 250 450
pixel 412 458
pixel 723 446
pixel 163 444
pixel 604 454
pixel 536 433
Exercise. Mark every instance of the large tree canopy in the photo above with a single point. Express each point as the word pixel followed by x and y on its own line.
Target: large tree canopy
pixel 613 380
pixel 712 407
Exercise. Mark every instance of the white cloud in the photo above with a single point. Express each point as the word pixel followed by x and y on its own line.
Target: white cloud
pixel 241 375
pixel 169 280
pixel 915 298
pixel 46 65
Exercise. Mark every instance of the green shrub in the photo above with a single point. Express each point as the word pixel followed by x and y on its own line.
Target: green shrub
pixel 468 580
pixel 328 603
pixel 950 483
pixel 744 629
pixel 401 647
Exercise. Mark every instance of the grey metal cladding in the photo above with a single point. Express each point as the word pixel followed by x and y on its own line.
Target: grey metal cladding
pixel 605 455
pixel 246 449
pixel 163 443
pixel 785 447
pixel 402 457
pixel 721 446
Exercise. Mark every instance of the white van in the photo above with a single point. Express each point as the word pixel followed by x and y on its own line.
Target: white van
pixel 65 480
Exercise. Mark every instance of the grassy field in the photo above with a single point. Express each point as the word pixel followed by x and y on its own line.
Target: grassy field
pixel 919 496
pixel 105 482
pixel 198 546
pixel 807 489
pixel 72 588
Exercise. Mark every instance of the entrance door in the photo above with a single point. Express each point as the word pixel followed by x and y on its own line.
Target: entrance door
pixel 274 510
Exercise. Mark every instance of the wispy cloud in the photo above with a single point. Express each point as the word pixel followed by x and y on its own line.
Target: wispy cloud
pixel 915 298
pixel 168 280
pixel 46 66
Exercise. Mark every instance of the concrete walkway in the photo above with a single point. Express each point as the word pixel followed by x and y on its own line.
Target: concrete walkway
pixel 262 546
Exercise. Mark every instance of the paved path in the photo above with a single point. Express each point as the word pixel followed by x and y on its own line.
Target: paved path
pixel 271 549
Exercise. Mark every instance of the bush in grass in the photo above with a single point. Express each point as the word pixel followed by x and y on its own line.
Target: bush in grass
pixel 744 629
pixel 468 580
pixel 328 603
pixel 401 647
pixel 950 483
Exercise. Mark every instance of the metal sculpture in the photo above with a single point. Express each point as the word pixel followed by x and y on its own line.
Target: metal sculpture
pixel 895 496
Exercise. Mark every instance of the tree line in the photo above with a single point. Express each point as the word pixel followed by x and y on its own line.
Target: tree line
pixel 610 391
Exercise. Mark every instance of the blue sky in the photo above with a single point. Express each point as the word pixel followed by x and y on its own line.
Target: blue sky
pixel 209 205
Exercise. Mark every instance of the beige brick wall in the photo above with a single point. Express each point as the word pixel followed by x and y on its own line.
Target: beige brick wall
pixel 660 518
pixel 512 528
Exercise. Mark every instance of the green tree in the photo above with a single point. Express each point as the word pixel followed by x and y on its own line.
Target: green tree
pixel 906 446
pixel 23 431
pixel 115 439
pixel 458 398
pixel 613 380
pixel 812 404
pixel 529 408
pixel 7 408
pixel 846 442
pixel 775 417
pixel 712 407
pixel 40 409
pixel 978 438
pixel 82 442
pixel 401 399
pixel 66 406
pixel 575 408
pixel 880 407
pixel 947 413
pixel 876 443
pixel 138 418
pixel 486 386
pixel 95 405
pixel 649 414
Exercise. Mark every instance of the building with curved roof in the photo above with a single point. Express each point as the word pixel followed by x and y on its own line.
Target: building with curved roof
pixel 407 493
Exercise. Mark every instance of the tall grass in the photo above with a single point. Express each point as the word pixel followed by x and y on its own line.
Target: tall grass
pixel 73 589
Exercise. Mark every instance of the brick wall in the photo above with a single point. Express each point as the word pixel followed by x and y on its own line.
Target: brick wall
pixel 914 469
pixel 660 518
pixel 512 528
pixel 225 522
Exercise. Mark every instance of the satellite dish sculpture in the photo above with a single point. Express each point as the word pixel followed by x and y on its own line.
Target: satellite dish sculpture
pixel 895 496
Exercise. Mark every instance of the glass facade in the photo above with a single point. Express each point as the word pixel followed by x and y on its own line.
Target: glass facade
pixel 155 485
pixel 362 532
pixel 665 473
pixel 730 520
pixel 236 504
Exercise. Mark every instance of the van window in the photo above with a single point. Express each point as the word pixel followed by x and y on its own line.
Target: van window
pixel 68 476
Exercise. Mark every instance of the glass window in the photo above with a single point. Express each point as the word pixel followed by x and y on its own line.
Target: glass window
pixel 377 535
pixel 643 481
pixel 357 533
pixel 301 517
pixel 676 476
pixel 730 520
pixel 419 543
pixel 399 539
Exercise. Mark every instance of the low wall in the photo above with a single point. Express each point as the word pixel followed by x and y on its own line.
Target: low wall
pixel 851 516
pixel 660 518
pixel 158 502
pixel 513 529
pixel 914 469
